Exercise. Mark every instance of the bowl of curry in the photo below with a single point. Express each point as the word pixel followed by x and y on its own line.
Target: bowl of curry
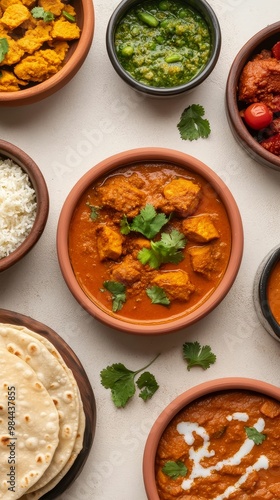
pixel 267 292
pixel 149 240
pixel 43 45
pixel 163 47
pixel 252 96
pixel 218 440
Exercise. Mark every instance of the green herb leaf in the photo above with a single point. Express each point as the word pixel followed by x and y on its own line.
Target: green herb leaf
pixel 4 48
pixel 194 354
pixel 120 380
pixel 164 251
pixel 124 225
pixel 68 16
pixel 94 211
pixel 174 469
pixel 148 222
pixel 255 435
pixel 191 125
pixel 148 384
pixel 41 13
pixel 158 295
pixel 118 292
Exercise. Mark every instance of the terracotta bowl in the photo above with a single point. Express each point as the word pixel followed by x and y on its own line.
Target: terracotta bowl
pixel 9 151
pixel 260 293
pixel 205 10
pixel 75 57
pixel 181 402
pixel 264 39
pixel 146 327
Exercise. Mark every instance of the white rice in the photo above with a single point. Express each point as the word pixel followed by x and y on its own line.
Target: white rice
pixel 17 206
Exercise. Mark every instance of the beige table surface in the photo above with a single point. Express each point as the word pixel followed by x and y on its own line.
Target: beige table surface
pixel 97 115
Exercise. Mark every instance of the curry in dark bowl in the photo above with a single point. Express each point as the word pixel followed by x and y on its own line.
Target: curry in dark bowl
pixel 150 241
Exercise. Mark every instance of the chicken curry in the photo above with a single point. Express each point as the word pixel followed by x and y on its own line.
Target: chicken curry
pixel 222 446
pixel 149 242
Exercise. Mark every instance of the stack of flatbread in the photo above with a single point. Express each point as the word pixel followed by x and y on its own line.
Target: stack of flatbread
pixel 42 421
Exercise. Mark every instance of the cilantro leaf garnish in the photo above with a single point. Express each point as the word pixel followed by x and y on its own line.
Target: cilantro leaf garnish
pixel 148 222
pixel 164 251
pixel 191 125
pixel 118 294
pixel 148 385
pixel 94 211
pixel 68 16
pixel 120 380
pixel 195 355
pixel 41 13
pixel 174 469
pixel 255 435
pixel 4 48
pixel 158 295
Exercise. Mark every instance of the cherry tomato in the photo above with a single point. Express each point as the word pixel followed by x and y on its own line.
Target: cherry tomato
pixel 276 50
pixel 258 115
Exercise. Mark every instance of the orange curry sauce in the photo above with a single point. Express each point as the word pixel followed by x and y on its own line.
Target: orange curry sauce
pixel 209 436
pixel 129 190
pixel 273 291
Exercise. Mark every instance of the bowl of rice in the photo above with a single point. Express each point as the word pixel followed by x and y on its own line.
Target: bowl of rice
pixel 24 204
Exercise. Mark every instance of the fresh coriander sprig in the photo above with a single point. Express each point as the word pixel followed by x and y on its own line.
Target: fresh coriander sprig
pixel 121 381
pixel 94 211
pixel 195 355
pixel 4 48
pixel 148 222
pixel 168 249
pixel 255 435
pixel 41 13
pixel 157 295
pixel 118 294
pixel 174 469
pixel 191 125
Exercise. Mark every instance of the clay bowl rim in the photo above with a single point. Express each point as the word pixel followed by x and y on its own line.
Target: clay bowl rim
pixel 187 397
pixel 203 7
pixel 236 123
pixel 126 158
pixel 18 156
pixel 268 264
pixel 66 73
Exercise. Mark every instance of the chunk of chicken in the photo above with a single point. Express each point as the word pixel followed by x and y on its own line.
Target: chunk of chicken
pixel 122 195
pixel 128 271
pixel 181 196
pixel 39 67
pixel 176 284
pixel 270 409
pixel 54 6
pixel 204 259
pixel 64 30
pixel 14 15
pixel 34 38
pixel 200 229
pixel 9 82
pixel 14 53
pixel 109 243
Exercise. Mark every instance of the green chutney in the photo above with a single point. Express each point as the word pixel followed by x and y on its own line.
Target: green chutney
pixel 162 43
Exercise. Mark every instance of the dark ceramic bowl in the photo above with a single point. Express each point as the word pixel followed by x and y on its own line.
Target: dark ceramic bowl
pixel 145 326
pixel 74 59
pixel 264 39
pixel 261 302
pixel 204 9
pixel 9 151
pixel 182 401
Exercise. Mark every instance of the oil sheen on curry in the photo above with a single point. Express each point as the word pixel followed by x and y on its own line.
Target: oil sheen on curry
pixel 222 446
pixel 149 242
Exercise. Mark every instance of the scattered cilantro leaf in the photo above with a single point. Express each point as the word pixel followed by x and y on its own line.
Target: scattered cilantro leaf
pixel 191 125
pixel 4 48
pixel 120 380
pixel 148 385
pixel 94 211
pixel 41 13
pixel 174 469
pixel 118 294
pixel 194 354
pixel 148 222
pixel 68 16
pixel 158 295
pixel 163 251
pixel 255 435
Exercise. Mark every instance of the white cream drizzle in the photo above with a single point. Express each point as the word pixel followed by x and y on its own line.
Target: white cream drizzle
pixel 187 429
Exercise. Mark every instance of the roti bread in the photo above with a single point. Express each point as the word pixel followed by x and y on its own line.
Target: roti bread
pixel 29 427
